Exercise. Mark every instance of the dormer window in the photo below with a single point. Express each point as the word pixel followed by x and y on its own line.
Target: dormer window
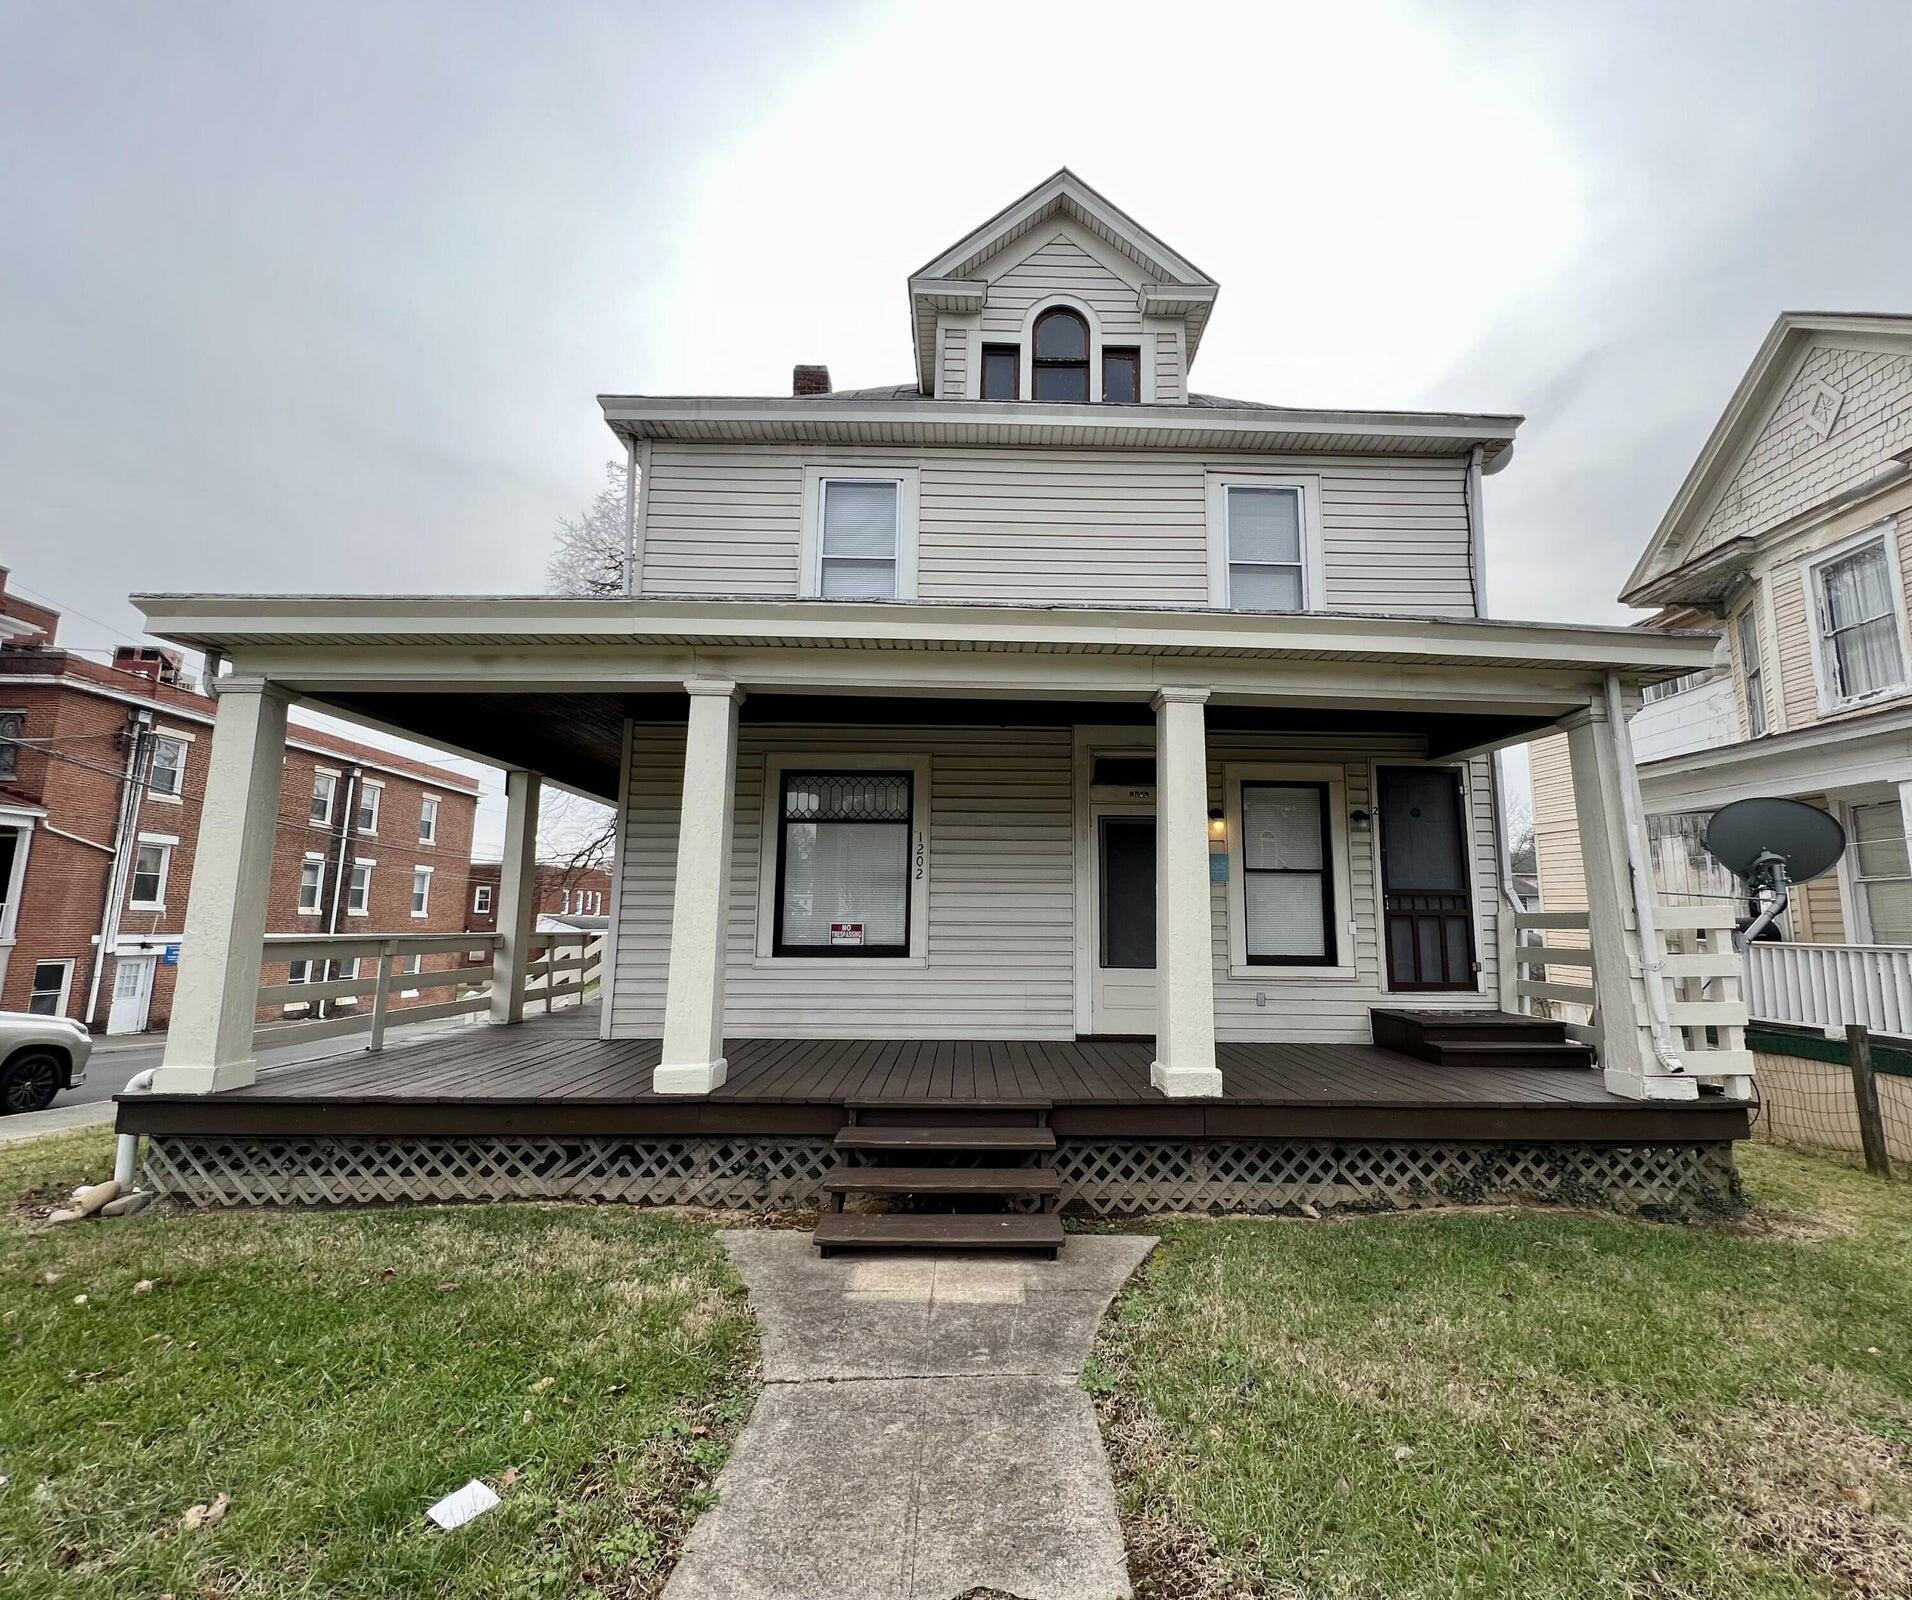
pixel 1002 372
pixel 1060 364
pixel 1121 375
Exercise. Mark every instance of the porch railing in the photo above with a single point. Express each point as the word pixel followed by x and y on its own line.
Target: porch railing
pixel 1537 988
pixel 1828 986
pixel 564 967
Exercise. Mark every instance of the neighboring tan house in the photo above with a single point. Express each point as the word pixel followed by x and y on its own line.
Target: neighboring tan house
pixel 102 770
pixel 1037 744
pixel 1789 535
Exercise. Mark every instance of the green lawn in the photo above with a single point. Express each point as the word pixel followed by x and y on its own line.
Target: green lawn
pixel 335 1374
pixel 1525 1403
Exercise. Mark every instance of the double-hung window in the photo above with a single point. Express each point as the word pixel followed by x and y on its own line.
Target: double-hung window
pixel 1752 672
pixel 859 534
pixel 52 982
pixel 358 891
pixel 311 884
pixel 166 776
pixel 421 891
pixel 1859 649
pixel 369 793
pixel 1287 875
pixel 1121 375
pixel 1259 558
pixel 843 863
pixel 1002 372
pixel 13 727
pixel 151 862
pixel 1882 871
pixel 428 820
pixel 325 788
pixel 481 899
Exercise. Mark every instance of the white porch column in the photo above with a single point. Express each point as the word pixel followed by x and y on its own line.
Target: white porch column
pixel 1628 1061
pixel 517 896
pixel 693 1057
pixel 1184 934
pixel 209 1040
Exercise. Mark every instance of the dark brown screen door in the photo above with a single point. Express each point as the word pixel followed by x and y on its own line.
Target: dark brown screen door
pixel 1128 892
pixel 1426 909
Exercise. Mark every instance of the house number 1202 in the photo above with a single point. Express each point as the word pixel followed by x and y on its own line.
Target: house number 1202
pixel 922 853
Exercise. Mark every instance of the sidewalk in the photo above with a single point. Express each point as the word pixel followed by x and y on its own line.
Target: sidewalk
pixel 55 1119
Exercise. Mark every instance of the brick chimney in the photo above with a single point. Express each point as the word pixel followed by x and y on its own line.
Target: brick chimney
pixel 809 380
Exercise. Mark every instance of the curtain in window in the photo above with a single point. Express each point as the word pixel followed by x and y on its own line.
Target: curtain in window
pixel 859 540
pixel 1883 866
pixel 845 859
pixel 1284 872
pixel 1861 627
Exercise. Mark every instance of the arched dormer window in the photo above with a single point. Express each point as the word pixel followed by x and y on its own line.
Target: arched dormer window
pixel 1060 359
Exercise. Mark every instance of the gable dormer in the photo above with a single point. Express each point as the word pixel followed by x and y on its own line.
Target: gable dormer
pixel 1060 298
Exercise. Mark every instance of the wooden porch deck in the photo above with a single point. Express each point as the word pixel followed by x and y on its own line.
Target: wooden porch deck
pixel 554 1076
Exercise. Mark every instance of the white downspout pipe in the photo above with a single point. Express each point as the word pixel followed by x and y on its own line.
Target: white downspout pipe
pixel 126 1156
pixel 1666 1046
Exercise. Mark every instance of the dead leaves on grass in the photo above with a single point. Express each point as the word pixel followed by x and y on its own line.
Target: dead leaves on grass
pixel 207 1514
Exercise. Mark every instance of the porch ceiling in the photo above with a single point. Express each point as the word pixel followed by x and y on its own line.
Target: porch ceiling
pixel 576 740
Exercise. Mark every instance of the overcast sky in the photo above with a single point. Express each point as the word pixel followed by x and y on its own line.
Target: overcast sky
pixel 319 297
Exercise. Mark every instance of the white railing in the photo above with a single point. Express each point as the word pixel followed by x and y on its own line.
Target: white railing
pixel 1535 956
pixel 564 967
pixel 1827 986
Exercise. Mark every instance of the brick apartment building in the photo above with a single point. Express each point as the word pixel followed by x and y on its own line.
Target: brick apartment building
pixel 577 895
pixel 101 769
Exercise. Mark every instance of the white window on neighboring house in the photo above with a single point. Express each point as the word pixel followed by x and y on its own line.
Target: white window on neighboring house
pixel 564 905
pixel 413 966
pixel 1261 548
pixel 152 860
pixel 428 820
pixel 297 972
pixel 859 534
pixel 421 891
pixel 367 820
pixel 166 776
pixel 311 884
pixel 325 788
pixel 1752 672
pixel 1881 870
pixel 52 983
pixel 1859 645
pixel 358 893
pixel 481 899
pixel 844 863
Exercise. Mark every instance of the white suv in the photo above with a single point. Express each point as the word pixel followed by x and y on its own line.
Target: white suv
pixel 39 1056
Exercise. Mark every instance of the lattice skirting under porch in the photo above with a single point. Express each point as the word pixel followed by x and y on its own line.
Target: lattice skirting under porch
pixel 1103 1177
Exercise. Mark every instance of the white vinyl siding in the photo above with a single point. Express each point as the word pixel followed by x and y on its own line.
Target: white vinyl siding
pixel 952 377
pixel 1170 388
pixel 1061 266
pixel 1048 526
pixel 1000 941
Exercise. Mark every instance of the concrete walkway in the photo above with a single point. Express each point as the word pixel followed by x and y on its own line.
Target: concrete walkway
pixel 922 1431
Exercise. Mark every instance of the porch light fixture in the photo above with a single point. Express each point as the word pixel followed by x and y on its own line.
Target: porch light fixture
pixel 1359 819
pixel 1217 825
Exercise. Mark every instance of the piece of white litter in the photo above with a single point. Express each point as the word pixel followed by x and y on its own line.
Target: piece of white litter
pixel 461 1505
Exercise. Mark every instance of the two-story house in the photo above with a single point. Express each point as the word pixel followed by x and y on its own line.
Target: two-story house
pixel 1787 537
pixel 1036 738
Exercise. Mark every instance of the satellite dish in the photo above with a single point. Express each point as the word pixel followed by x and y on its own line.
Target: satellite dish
pixel 1769 845
pixel 1750 837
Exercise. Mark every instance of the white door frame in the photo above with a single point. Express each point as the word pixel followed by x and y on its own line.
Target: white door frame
pixel 1091 805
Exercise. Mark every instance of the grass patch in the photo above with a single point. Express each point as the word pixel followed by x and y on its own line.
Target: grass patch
pixel 1524 1403
pixel 335 1373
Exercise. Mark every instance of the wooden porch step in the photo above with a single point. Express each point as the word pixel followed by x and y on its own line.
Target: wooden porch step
pixel 849 1230
pixel 1421 1034
pixel 942 1180
pixel 1508 1053
pixel 952 1111
pixel 862 1136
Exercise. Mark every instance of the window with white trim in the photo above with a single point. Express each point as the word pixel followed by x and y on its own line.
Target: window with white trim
pixel 166 775
pixel 1860 652
pixel 859 533
pixel 428 820
pixel 311 885
pixel 1262 549
pixel 325 788
pixel 843 868
pixel 358 893
pixel 152 860
pixel 1752 671
pixel 421 891
pixel 1287 862
pixel 481 899
pixel 414 964
pixel 368 802
pixel 52 983
pixel 1882 871
pixel 13 727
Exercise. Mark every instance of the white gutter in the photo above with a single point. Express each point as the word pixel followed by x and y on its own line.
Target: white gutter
pixel 630 515
pixel 1666 1045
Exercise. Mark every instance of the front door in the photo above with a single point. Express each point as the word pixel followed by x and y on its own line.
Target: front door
pixel 1427 906
pixel 1122 995
pixel 132 994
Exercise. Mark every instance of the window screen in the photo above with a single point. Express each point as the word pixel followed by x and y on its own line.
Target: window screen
pixel 858 557
pixel 1264 548
pixel 843 882
pixel 1287 893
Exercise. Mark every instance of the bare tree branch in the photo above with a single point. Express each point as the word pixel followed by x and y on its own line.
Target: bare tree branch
pixel 589 553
